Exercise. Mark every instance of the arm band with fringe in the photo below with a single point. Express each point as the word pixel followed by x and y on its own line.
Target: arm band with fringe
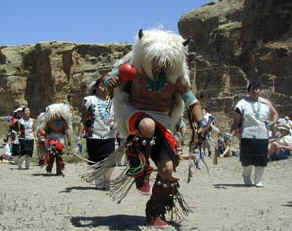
pixel 189 98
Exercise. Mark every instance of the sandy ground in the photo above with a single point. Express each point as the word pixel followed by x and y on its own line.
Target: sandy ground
pixel 31 200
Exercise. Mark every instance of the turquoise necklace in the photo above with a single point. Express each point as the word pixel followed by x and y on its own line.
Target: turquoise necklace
pixel 158 84
pixel 256 112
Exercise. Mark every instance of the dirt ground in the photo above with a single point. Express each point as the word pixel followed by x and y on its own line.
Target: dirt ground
pixel 31 200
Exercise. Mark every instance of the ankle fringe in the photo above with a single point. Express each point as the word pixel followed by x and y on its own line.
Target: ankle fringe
pixel 120 186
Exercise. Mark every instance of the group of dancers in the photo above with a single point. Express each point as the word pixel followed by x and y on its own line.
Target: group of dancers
pixel 143 98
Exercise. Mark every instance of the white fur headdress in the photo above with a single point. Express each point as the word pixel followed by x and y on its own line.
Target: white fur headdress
pixel 56 110
pixel 166 48
pixel 38 121
pixel 169 52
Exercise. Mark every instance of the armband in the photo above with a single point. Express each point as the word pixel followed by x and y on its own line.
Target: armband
pixel 189 98
pixel 114 72
pixel 202 123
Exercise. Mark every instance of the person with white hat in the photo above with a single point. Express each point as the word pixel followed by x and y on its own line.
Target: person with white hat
pixel 14 131
pixel 281 148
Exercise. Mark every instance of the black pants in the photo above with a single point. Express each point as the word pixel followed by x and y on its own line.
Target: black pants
pixel 99 149
pixel 254 152
pixel 26 147
pixel 15 151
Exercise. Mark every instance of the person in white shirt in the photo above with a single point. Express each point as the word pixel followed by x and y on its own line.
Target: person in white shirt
pixel 98 125
pixel 26 139
pixel 208 118
pixel 254 115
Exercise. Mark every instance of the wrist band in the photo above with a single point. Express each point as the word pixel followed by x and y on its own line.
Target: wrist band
pixel 202 123
pixel 106 81
pixel 114 72
pixel 189 98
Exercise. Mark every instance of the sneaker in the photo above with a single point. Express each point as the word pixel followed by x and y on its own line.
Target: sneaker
pixel 145 189
pixel 259 185
pixel 157 222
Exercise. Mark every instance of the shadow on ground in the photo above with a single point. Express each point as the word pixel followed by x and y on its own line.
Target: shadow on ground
pixel 288 204
pixel 119 222
pixel 44 174
pixel 115 222
pixel 80 188
pixel 225 186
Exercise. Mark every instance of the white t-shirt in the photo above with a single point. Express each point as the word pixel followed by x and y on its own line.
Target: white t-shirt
pixel 103 121
pixel 27 124
pixel 207 116
pixel 254 114
pixel 285 140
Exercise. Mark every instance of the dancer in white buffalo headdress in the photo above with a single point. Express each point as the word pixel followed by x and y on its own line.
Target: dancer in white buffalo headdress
pixel 41 138
pixel 151 85
pixel 56 126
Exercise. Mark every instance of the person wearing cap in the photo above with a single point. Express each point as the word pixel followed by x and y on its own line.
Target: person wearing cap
pixel 97 122
pixel 14 131
pixel 255 115
pixel 280 148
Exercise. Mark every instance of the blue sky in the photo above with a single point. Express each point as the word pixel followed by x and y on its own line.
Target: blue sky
pixel 95 21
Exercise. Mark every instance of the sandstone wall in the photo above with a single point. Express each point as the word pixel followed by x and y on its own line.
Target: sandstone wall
pixel 48 72
pixel 234 41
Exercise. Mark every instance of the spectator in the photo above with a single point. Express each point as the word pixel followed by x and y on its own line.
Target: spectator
pixel 281 148
pixel 98 124
pixel 26 138
pixel 289 123
pixel 14 131
pixel 254 114
pixel 208 118
pixel 222 147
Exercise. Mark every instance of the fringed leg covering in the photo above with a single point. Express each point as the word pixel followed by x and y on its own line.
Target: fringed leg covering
pixel 50 162
pixel 138 150
pixel 166 202
pixel 60 165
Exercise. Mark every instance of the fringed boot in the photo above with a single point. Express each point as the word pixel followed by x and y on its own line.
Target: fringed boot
pixel 138 157
pixel 59 165
pixel 50 162
pixel 166 203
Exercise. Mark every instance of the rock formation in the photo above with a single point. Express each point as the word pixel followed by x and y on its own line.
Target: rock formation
pixel 235 41
pixel 48 72
pixel 232 42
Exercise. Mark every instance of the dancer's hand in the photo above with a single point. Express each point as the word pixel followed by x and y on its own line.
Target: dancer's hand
pixel 111 81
